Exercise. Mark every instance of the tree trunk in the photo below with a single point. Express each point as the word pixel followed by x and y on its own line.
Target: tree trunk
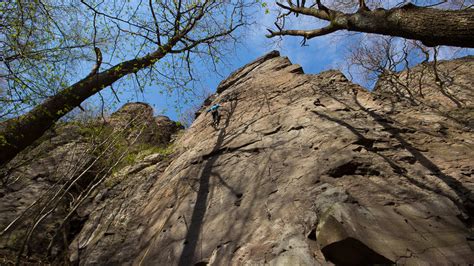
pixel 18 133
pixel 430 26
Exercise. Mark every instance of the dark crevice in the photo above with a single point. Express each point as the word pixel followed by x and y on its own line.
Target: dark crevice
pixel 282 66
pixel 238 201
pixel 396 130
pixel 75 226
pixel 272 131
pixel 408 159
pixel 297 70
pixel 345 169
pixel 352 168
pixel 253 150
pixel 351 251
pixel 295 128
pixel 368 143
pixel 312 235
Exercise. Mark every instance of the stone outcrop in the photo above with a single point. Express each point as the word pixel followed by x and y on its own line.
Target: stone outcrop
pixel 305 169
pixel 302 170
pixel 138 118
pixel 48 191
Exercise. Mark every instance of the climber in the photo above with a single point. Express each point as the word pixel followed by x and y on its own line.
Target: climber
pixel 215 114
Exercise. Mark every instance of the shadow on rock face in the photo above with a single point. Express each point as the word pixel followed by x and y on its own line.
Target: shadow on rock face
pixel 351 251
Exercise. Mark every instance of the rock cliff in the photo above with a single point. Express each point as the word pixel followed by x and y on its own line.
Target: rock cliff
pixel 48 191
pixel 302 170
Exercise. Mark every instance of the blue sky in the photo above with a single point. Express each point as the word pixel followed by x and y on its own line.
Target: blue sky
pixel 319 54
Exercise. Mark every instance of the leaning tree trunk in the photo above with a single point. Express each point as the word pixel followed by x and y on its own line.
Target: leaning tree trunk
pixel 430 26
pixel 18 133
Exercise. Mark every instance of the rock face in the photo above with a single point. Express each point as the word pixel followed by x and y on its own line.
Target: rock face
pixel 36 191
pixel 138 118
pixel 48 192
pixel 302 170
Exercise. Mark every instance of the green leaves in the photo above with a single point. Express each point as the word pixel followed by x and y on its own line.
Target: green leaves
pixel 264 5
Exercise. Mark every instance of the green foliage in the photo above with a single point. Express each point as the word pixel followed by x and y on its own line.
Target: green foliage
pixel 92 130
pixel 47 45
pixel 115 149
pixel 41 45
pixel 264 5
pixel 134 156
pixel 3 140
pixel 143 150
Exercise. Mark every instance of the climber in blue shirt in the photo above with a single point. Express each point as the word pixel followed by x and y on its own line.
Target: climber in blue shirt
pixel 215 113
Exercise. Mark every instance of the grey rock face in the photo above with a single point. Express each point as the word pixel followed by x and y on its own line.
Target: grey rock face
pixel 138 118
pixel 48 192
pixel 37 189
pixel 306 170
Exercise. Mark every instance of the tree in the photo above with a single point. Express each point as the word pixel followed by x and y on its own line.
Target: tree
pixel 171 32
pixel 429 25
pixel 376 56
pixel 404 65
